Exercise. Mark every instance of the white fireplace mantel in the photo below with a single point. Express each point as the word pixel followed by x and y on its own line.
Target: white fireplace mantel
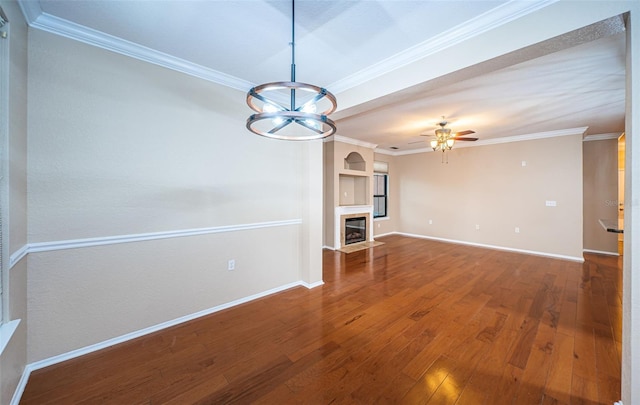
pixel 351 210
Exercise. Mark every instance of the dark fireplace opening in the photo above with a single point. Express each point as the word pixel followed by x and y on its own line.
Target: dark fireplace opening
pixel 355 230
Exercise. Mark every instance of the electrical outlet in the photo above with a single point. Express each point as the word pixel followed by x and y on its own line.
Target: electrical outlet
pixel 517 229
pixel 477 227
pixel 430 222
pixel 231 265
pixel 550 203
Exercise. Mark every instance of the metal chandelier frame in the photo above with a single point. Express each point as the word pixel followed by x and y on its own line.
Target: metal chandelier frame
pixel 316 124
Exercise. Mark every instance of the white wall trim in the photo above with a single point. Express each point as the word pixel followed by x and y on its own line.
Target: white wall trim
pixel 29 368
pixel 508 249
pixel 351 141
pixel 46 22
pixel 311 285
pixel 22 384
pixel 6 332
pixel 602 137
pixel 492 19
pixel 601 252
pixel 495 141
pixel 387 234
pixel 18 255
pixel 112 240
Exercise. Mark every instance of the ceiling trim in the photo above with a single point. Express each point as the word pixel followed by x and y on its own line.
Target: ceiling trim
pixel 38 19
pixel 491 19
pixel 602 137
pixel 495 141
pixel 496 17
pixel 344 139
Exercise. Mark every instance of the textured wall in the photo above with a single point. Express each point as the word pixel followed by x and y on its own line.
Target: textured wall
pixel 488 186
pixel 600 169
pixel 119 148
pixel 14 280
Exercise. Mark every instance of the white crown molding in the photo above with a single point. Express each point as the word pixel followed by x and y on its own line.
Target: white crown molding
pixel 601 137
pixel 30 9
pixel 344 139
pixel 113 240
pixel 385 152
pixel 36 18
pixel 495 141
pixel 491 19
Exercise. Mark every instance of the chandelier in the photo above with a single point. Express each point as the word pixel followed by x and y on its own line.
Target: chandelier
pixel 444 140
pixel 278 105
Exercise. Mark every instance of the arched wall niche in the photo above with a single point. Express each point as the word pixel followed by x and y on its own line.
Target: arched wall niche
pixel 355 161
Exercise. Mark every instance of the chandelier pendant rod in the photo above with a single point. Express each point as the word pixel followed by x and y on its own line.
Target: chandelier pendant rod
pixel 293 53
pixel 272 110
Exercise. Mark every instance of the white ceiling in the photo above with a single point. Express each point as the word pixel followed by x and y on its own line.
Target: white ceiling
pixel 573 81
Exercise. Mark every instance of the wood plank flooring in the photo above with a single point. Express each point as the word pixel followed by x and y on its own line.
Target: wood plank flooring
pixel 409 322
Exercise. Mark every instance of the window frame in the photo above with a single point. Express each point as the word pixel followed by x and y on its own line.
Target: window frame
pixel 384 196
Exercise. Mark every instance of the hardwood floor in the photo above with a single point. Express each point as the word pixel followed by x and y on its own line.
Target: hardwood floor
pixel 412 321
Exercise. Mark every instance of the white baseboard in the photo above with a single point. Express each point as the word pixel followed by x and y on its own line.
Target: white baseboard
pixel 311 285
pixel 601 252
pixel 507 249
pixel 29 368
pixel 386 234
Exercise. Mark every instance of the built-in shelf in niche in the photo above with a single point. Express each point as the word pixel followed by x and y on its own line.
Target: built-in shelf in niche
pixel 354 190
pixel 354 161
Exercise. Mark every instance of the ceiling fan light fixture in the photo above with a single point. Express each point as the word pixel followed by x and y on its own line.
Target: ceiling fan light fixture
pixel 450 142
pixel 279 104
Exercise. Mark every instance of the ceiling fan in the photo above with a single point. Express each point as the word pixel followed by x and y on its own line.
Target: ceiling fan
pixel 445 133
pixel 444 139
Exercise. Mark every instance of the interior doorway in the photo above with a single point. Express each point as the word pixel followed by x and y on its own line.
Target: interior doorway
pixel 621 156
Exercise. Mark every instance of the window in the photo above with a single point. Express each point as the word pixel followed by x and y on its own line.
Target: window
pixel 380 192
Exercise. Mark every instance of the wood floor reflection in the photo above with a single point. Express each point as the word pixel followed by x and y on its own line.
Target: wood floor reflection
pixel 411 321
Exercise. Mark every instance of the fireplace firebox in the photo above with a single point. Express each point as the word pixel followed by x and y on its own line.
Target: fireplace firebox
pixel 355 230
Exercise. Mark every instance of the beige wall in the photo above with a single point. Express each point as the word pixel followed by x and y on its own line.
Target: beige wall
pixel 489 187
pixel 329 191
pixel 120 147
pixel 335 152
pixel 13 359
pixel 600 168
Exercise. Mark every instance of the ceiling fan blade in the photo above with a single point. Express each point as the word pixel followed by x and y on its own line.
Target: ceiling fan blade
pixel 465 139
pixel 416 142
pixel 463 133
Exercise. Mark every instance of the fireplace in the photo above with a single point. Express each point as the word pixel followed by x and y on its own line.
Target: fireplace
pixel 346 213
pixel 355 230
